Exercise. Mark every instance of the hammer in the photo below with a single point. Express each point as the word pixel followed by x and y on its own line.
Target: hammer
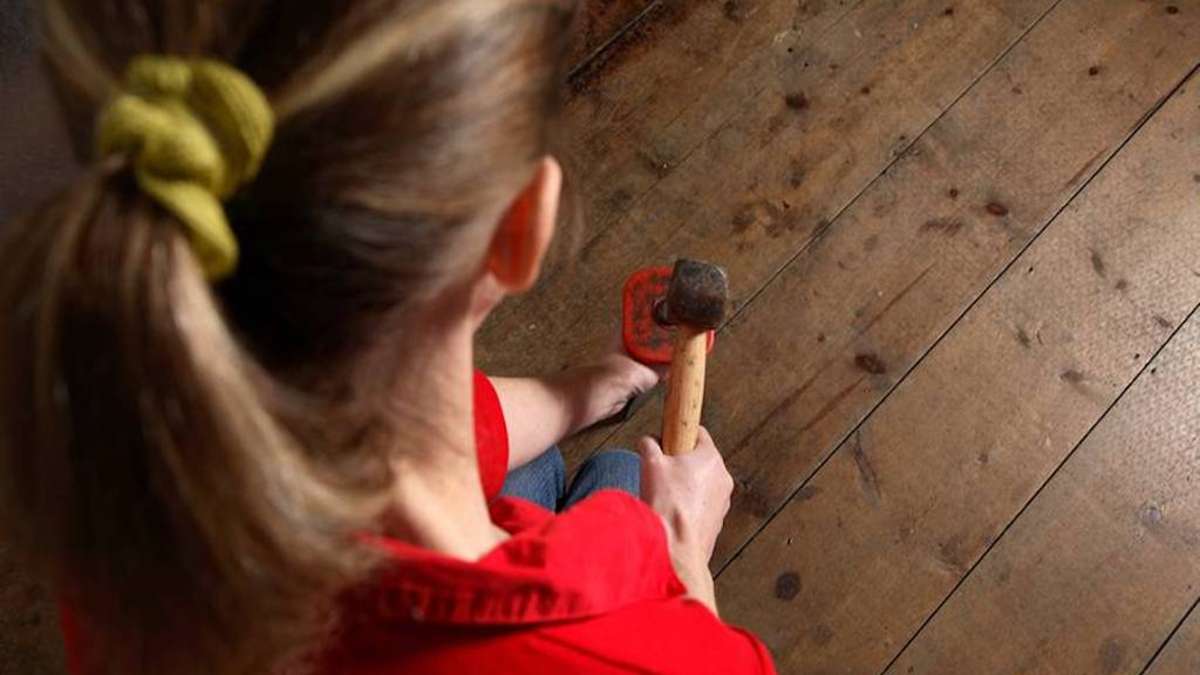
pixel 695 304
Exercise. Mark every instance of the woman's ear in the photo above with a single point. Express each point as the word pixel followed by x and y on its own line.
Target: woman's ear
pixel 514 258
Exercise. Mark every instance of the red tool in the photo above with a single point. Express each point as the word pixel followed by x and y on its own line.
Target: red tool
pixel 644 328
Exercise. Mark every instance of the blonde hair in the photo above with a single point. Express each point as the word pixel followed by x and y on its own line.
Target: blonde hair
pixel 191 463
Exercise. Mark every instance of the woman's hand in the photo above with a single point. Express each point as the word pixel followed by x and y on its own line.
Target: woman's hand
pixel 541 411
pixel 598 391
pixel 691 492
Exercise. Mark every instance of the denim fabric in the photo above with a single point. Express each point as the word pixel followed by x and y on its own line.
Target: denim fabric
pixel 543 481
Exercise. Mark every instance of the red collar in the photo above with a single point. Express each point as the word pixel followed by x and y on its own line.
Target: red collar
pixel 607 552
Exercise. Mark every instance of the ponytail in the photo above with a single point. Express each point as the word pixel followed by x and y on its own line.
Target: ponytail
pixel 141 463
pixel 192 425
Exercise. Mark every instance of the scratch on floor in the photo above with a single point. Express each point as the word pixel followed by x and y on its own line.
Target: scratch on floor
pixel 866 472
pixel 899 296
pixel 831 404
pixel 783 406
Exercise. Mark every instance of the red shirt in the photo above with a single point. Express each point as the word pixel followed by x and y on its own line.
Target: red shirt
pixel 591 590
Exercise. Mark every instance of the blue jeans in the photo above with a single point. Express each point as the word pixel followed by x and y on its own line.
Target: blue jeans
pixel 543 481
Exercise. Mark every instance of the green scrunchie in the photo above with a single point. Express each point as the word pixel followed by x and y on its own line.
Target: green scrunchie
pixel 195 130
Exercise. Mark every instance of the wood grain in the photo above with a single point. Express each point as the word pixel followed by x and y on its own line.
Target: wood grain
pixel 833 333
pixel 657 91
pixel 785 145
pixel 685 394
pixel 1095 574
pixel 889 525
pixel 1181 655
pixel 597 23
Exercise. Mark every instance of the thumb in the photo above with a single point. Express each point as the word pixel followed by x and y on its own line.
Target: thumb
pixel 644 377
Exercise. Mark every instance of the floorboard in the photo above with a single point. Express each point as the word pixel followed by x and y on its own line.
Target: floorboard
pixel 850 569
pixel 1180 655
pixel 1095 573
pixel 774 176
pixel 851 314
pixel 957 390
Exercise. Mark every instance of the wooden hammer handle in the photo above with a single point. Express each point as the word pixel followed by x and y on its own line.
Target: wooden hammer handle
pixel 685 391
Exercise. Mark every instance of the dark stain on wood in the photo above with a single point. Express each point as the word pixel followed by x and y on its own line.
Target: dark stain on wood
pixel 1172 9
pixel 755 502
pixel 1093 71
pixel 1164 322
pixel 657 165
pixel 807 492
pixel 743 219
pixel 996 209
pixel 796 101
pixel 1072 376
pixel 808 8
pixel 1098 263
pixel 733 10
pixel 1005 573
pixel 865 91
pixel 888 307
pixel 1150 515
pixel 1112 655
pixel 950 553
pixel 1024 339
pixel 952 193
pixel 822 635
pixel 1084 169
pixel 947 226
pixel 1122 285
pixel 639 36
pixel 867 478
pixel 820 229
pixel 871 363
pixel 949 11
pixel 796 173
pixel 778 220
pixel 787 586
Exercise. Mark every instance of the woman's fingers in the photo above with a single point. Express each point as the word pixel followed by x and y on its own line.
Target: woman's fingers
pixel 644 377
pixel 649 449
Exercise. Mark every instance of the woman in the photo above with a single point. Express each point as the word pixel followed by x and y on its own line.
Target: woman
pixel 241 428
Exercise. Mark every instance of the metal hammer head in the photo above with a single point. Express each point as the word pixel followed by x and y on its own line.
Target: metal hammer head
pixel 697 294
pixel 645 330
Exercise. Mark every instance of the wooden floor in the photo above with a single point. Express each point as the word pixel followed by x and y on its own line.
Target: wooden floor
pixel 959 387
pixel 958 390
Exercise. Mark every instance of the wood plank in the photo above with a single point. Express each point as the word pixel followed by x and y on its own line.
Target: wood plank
pixel 795 129
pixel 1095 573
pixel 1181 655
pixel 850 568
pixel 852 314
pixel 597 23
pixel 679 72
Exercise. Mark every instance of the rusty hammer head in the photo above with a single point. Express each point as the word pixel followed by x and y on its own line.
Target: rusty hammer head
pixel 699 296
